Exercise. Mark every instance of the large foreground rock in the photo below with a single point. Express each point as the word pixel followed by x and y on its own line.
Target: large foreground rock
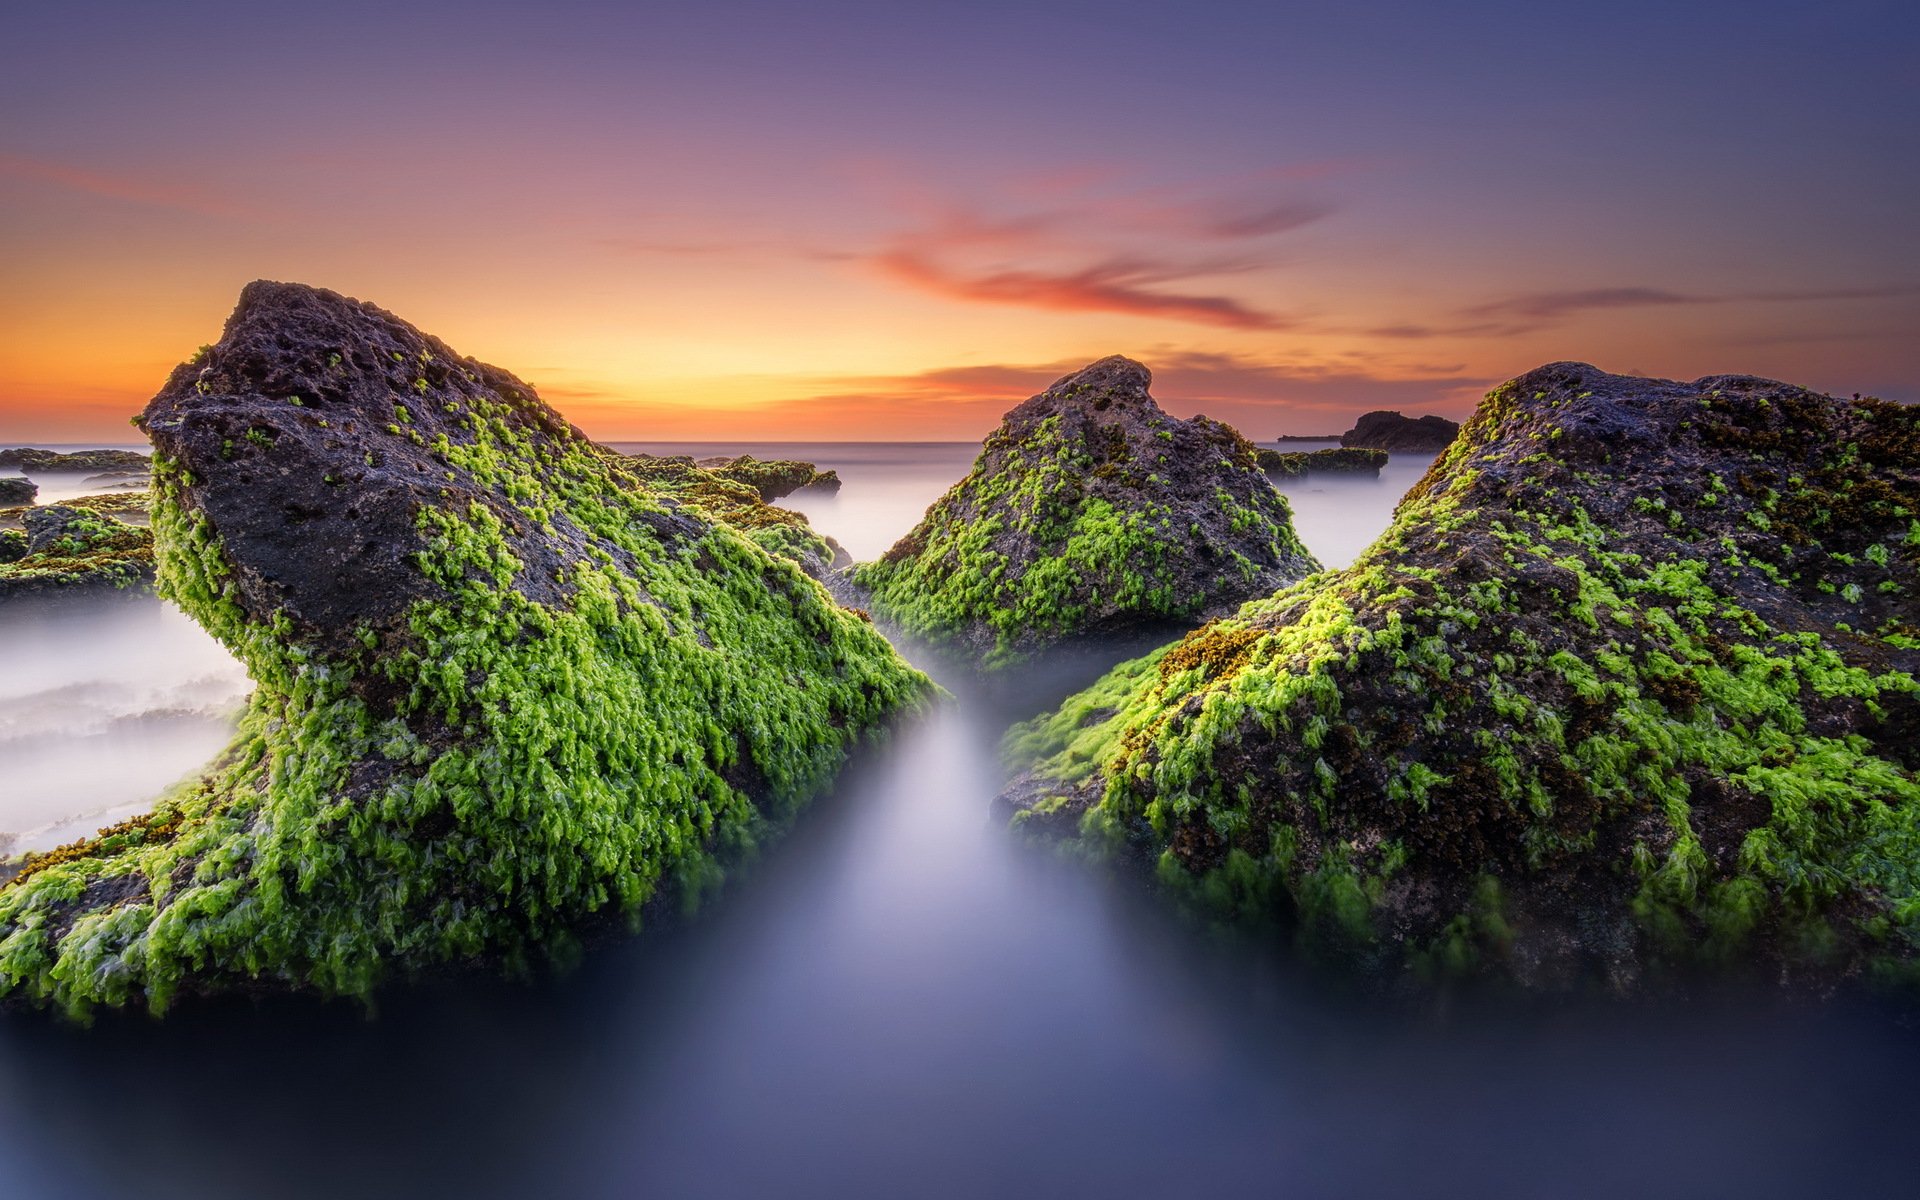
pixel 1090 512
pixel 1628 684
pixel 500 685
pixel 1397 434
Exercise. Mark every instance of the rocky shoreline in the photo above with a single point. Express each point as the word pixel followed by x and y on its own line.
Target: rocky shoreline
pixel 1627 692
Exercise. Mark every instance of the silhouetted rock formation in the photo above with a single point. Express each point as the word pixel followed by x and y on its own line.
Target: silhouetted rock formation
pixel 1396 434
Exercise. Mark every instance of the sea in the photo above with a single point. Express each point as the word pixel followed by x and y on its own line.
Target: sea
pixel 899 1000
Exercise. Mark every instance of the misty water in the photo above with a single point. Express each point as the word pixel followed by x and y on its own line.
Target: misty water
pixel 898 1000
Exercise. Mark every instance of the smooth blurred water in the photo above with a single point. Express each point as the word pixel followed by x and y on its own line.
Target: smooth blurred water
pixel 885 486
pixel 902 1001
pixel 103 704
pixel 57 487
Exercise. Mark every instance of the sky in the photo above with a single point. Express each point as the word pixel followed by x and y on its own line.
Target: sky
pixel 837 221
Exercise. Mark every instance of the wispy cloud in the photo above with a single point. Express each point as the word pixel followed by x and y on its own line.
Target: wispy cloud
pixel 1118 286
pixel 150 192
pixel 1093 247
pixel 1551 306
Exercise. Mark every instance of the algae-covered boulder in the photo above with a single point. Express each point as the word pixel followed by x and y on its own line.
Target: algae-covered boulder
pixel 1294 464
pixel 16 490
pixel 67 551
pixel 1398 434
pixel 773 477
pixel 499 688
pixel 1629 685
pixel 1090 512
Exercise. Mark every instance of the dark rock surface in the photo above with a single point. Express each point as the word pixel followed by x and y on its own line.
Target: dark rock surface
pixel 15 490
pixel 1626 692
pixel 1090 512
pixel 28 458
pixel 1389 431
pixel 502 685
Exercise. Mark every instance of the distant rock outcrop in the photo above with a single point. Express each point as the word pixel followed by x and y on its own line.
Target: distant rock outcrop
pixel 739 505
pixel 66 551
pixel 773 477
pixel 501 685
pixel 1293 465
pixel 1630 684
pixel 1089 512
pixel 1389 431
pixel 14 490
pixel 27 458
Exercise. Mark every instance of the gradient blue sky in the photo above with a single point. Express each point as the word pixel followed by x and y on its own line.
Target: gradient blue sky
pixel 866 220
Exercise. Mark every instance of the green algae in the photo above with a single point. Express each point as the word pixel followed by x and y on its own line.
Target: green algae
pixel 1543 729
pixel 738 503
pixel 468 785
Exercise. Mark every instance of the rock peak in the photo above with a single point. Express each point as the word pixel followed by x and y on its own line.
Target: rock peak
pixel 1112 373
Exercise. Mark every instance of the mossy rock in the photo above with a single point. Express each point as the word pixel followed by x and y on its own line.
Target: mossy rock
pixel 773 477
pixel 501 690
pixel 1090 513
pixel 65 551
pixel 741 506
pixel 1295 464
pixel 1626 692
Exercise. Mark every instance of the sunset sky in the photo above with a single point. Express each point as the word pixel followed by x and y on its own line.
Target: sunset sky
pixel 833 221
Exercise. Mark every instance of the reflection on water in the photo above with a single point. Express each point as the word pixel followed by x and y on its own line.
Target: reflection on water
pixel 903 1001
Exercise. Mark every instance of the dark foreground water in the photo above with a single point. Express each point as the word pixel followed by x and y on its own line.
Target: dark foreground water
pixel 899 1001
